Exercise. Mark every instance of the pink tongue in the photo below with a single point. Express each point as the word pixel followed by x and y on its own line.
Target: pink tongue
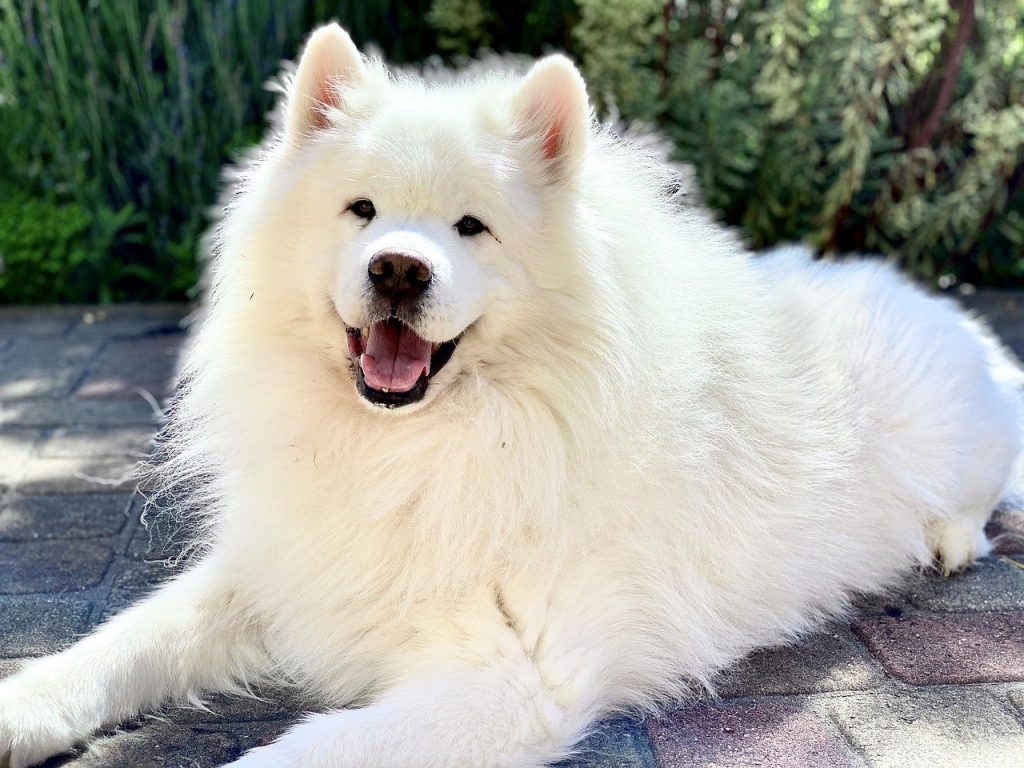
pixel 395 357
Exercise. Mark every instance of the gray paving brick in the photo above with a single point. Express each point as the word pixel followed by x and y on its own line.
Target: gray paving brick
pixel 129 442
pixel 52 566
pixel 9 666
pixel 123 320
pixel 257 734
pixel 16 446
pixel 33 626
pixel 763 734
pixel 893 603
pixel 948 648
pixel 135 580
pixel 164 744
pixel 78 475
pixel 1017 697
pixel 61 413
pixel 129 365
pixel 830 661
pixel 616 743
pixel 991 584
pixel 1006 530
pixel 962 728
pixel 271 705
pixel 63 517
pixel 37 321
pixel 161 537
pixel 1003 311
pixel 33 367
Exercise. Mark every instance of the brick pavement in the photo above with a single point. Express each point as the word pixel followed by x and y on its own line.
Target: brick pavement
pixel 931 676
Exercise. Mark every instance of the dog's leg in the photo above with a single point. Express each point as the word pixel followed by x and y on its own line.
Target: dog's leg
pixel 459 715
pixel 957 543
pixel 191 635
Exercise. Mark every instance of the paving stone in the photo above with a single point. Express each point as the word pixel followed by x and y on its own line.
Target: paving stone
pixel 161 536
pixel 949 648
pixel 764 734
pixel 16 446
pixel 1017 697
pixel 279 704
pixel 830 661
pixel 991 584
pixel 33 367
pixel 60 413
pixel 130 442
pixel 78 475
pixel 52 566
pixel 63 517
pixel 126 320
pixel 136 580
pixel 153 743
pixel 34 626
pixel 36 321
pixel 616 743
pixel 891 604
pixel 1004 313
pixel 9 666
pixel 127 366
pixel 252 735
pixel 960 728
pixel 1006 530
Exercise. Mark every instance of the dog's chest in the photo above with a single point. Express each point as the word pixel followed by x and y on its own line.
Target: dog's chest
pixel 337 598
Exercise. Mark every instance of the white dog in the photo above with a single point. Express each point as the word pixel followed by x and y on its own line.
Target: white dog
pixel 494 441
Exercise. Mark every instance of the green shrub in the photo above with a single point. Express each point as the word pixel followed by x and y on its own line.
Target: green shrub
pixel 885 125
pixel 894 126
pixel 58 252
pixel 135 106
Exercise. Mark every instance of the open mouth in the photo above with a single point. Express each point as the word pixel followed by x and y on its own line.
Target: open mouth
pixel 393 363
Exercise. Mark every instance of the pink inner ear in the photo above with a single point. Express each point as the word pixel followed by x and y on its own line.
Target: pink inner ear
pixel 553 141
pixel 327 97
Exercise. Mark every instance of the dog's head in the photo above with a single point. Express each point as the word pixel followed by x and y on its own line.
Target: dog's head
pixel 424 216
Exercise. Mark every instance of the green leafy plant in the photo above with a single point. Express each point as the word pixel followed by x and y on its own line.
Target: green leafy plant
pixel 883 125
pixel 889 126
pixel 59 252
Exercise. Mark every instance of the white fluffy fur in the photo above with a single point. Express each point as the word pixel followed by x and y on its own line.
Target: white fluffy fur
pixel 650 454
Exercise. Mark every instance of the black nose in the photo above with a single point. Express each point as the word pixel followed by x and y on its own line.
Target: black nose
pixel 398 274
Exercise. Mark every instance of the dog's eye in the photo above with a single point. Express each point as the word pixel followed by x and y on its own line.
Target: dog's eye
pixel 363 208
pixel 468 226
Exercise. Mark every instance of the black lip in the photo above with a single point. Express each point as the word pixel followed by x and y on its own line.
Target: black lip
pixel 389 399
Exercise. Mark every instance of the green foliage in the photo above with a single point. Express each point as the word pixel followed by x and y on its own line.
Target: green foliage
pixel 883 125
pixel 462 25
pixel 468 27
pixel 621 67
pixel 135 106
pixel 58 252
pixel 887 125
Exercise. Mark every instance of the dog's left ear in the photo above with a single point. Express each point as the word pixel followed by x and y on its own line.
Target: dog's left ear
pixel 552 112
pixel 330 65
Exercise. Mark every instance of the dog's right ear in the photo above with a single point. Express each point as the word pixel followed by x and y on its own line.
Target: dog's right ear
pixel 330 65
pixel 553 115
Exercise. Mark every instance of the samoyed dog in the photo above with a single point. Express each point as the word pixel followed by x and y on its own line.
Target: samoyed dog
pixel 493 440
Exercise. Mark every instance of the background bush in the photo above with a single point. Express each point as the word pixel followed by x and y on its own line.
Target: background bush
pixel 884 125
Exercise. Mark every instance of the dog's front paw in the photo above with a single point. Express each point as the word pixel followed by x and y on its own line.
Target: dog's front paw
pixel 32 727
